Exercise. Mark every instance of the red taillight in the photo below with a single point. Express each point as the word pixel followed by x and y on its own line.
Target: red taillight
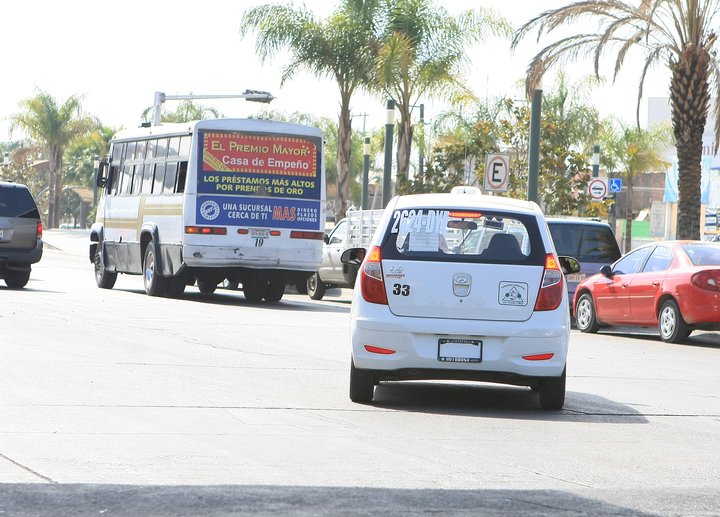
pixel 372 283
pixel 707 280
pixel 538 357
pixel 307 235
pixel 551 290
pixel 206 230
pixel 378 350
pixel 39 231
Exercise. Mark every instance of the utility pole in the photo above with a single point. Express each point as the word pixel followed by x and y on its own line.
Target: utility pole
pixel 366 173
pixel 534 162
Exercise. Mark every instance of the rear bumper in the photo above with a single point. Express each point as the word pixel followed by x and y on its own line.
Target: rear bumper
pixel 11 257
pixel 257 258
pixel 415 343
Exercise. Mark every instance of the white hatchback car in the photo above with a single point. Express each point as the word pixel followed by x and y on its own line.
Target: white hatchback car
pixel 461 287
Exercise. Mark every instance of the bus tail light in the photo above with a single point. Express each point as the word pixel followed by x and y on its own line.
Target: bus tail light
pixel 307 235
pixel 551 290
pixel 206 230
pixel 372 282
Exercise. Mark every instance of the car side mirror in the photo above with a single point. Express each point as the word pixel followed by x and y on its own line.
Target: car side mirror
pixel 569 265
pixel 326 238
pixel 100 179
pixel 606 271
pixel 353 256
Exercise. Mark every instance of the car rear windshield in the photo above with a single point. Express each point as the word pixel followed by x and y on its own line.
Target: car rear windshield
pixel 703 254
pixel 451 235
pixel 585 242
pixel 16 201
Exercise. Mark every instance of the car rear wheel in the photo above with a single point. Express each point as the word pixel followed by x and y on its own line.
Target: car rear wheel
pixel 552 392
pixel 362 384
pixel 315 287
pixel 16 279
pixel 671 324
pixel 103 278
pixel 585 315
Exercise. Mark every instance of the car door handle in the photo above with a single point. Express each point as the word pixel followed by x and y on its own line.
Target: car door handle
pixel 655 284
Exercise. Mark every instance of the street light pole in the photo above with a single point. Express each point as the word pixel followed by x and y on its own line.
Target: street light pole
pixel 534 162
pixel 387 172
pixel 250 95
pixel 366 173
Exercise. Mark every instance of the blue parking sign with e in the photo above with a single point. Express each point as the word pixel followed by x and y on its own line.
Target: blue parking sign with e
pixel 615 184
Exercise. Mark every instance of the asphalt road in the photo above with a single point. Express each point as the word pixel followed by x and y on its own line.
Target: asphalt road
pixel 115 403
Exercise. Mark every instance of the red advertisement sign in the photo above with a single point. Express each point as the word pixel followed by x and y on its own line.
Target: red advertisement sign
pixel 285 156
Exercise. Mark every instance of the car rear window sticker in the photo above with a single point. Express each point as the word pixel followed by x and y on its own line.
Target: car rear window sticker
pixel 513 293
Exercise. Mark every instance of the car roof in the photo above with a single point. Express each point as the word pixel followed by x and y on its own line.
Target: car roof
pixel 575 221
pixel 11 184
pixel 470 201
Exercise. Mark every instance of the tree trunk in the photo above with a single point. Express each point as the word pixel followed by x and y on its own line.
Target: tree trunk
pixel 628 217
pixel 343 157
pixel 689 101
pixel 54 186
pixel 405 134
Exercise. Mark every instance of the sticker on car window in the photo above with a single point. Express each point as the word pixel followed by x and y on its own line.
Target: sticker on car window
pixel 513 293
pixel 417 221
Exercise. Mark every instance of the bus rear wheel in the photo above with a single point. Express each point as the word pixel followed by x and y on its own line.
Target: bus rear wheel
pixel 274 291
pixel 155 284
pixel 254 288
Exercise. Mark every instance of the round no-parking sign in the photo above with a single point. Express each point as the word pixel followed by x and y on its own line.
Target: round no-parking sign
pixel 598 188
pixel 497 171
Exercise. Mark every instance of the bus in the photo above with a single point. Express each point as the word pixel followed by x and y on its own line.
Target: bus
pixel 210 201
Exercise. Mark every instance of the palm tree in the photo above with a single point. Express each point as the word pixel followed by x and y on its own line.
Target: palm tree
pixel 633 151
pixel 422 53
pixel 53 126
pixel 677 33
pixel 335 47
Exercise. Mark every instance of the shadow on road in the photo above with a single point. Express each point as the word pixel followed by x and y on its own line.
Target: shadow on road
pixel 698 338
pixel 224 500
pixel 498 401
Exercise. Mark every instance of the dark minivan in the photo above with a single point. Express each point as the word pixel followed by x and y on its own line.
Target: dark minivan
pixel 592 242
pixel 20 234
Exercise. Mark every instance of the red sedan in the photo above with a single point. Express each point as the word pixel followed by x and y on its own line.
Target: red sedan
pixel 672 285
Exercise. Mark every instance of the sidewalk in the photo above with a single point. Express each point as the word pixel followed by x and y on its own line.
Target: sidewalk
pixel 76 242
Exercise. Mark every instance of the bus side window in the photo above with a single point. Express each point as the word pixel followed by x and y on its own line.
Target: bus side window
pixel 173 147
pixel 184 151
pixel 148 177
pixel 182 175
pixel 115 168
pixel 137 179
pixel 127 179
pixel 159 179
pixel 170 177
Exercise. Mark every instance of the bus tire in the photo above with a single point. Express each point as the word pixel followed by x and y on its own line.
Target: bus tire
pixel 274 291
pixel 155 284
pixel 176 287
pixel 315 287
pixel 254 288
pixel 206 287
pixel 103 278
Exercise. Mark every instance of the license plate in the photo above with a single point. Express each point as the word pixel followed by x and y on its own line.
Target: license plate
pixel 260 234
pixel 576 278
pixel 459 351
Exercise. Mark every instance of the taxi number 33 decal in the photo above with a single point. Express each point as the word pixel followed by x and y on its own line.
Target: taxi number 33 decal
pixel 401 289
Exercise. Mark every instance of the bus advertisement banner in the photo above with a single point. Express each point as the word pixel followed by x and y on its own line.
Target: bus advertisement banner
pixel 256 165
pixel 297 214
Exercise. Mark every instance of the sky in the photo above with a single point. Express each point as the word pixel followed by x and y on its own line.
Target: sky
pixel 118 54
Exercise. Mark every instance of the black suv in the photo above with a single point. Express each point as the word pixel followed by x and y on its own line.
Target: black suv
pixel 20 234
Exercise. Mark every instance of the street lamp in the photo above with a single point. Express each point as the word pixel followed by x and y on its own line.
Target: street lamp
pixel 250 95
